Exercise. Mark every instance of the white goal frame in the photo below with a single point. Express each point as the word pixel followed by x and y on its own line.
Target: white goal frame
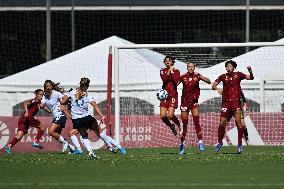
pixel 115 58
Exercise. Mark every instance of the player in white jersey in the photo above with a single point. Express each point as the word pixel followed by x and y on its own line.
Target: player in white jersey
pixel 52 100
pixel 82 118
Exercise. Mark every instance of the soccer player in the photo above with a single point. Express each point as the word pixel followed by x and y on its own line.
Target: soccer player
pixel 53 95
pixel 189 102
pixel 231 101
pixel 27 120
pixel 170 77
pixel 81 115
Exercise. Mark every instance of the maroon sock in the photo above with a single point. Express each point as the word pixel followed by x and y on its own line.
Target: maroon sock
pixel 166 121
pixel 13 142
pixel 197 127
pixel 184 126
pixel 221 133
pixel 240 135
pixel 182 139
pixel 39 135
pixel 175 120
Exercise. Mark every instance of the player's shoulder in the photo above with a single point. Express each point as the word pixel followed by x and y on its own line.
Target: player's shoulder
pixel 197 74
pixel 176 70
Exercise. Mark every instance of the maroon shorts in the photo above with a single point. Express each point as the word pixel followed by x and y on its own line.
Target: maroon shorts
pixel 170 102
pixel 229 108
pixel 24 123
pixel 186 106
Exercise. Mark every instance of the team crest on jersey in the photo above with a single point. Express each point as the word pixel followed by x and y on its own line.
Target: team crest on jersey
pixel 235 76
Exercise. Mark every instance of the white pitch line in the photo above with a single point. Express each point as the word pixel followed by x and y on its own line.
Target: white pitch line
pixel 136 184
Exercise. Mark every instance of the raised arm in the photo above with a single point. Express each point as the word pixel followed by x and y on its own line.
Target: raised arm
pixel 250 76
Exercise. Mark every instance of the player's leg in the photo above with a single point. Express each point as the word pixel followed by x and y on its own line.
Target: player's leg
pixel 82 127
pixel 237 116
pixel 173 104
pixel 170 115
pixel 40 132
pixel 165 119
pixel 14 141
pixel 221 132
pixel 72 134
pixel 196 121
pixel 184 118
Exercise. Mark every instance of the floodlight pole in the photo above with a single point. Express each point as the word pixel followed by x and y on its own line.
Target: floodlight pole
pixel 48 32
pixel 247 24
pixel 72 26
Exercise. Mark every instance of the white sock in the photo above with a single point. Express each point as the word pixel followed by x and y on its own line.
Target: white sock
pixel 113 142
pixel 61 139
pixel 105 139
pixel 87 144
pixel 75 142
pixel 200 141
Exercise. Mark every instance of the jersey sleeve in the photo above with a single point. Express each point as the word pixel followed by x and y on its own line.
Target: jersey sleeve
pixel 59 95
pixel 242 75
pixel 219 79
pixel 163 74
pixel 90 98
pixel 69 94
pixel 176 76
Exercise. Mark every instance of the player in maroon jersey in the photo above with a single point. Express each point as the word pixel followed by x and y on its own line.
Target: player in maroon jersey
pixel 189 102
pixel 170 77
pixel 231 106
pixel 27 120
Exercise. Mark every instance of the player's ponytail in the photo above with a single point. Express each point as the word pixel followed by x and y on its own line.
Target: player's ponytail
pixel 55 86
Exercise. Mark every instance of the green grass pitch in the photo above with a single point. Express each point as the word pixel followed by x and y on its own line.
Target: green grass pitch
pixel 257 167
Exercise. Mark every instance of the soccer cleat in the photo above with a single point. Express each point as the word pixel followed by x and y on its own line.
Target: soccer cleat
pixel 239 149
pixel 93 156
pixel 37 145
pixel 8 150
pixel 181 149
pixel 65 146
pixel 113 150
pixel 173 128
pixel 218 147
pixel 201 147
pixel 122 150
pixel 77 152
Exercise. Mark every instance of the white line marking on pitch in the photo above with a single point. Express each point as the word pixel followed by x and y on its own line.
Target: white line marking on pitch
pixel 137 184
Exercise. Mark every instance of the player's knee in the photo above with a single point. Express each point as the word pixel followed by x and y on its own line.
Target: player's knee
pixel 83 133
pixel 239 124
pixel 163 117
pixel 51 132
pixel 170 116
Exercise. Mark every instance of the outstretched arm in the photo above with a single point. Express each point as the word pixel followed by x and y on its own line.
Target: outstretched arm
pixel 98 110
pixel 205 79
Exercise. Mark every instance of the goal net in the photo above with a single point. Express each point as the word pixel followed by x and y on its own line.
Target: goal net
pixel 136 79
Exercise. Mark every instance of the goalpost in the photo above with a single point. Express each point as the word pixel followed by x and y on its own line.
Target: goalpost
pixel 136 81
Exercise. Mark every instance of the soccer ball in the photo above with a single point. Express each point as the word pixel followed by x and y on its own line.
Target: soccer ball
pixel 162 95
